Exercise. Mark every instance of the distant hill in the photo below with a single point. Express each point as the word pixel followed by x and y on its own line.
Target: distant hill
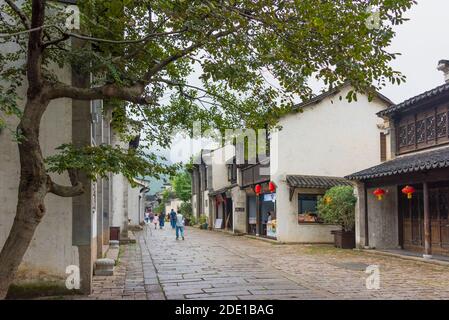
pixel 156 184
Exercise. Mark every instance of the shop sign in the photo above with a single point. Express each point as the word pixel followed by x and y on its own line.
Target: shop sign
pixel 218 223
pixel 271 229
pixel 269 197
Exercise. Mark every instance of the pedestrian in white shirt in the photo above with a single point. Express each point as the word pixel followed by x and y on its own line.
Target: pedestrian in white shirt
pixel 179 225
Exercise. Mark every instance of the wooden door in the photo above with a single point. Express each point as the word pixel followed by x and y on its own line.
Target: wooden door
pixel 413 221
pixel 440 221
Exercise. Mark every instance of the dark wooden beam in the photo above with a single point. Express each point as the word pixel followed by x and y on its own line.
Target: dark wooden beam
pixel 434 175
pixel 427 238
pixel 257 215
pixel 291 193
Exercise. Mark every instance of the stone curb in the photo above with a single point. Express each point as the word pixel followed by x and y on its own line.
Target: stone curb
pixel 404 257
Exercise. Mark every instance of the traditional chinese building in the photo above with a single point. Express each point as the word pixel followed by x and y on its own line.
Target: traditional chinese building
pixel 412 213
pixel 324 140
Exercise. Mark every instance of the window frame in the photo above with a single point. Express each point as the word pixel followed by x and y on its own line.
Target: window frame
pixel 317 196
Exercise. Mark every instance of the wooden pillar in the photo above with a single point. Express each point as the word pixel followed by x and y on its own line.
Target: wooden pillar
pixel 257 215
pixel 427 238
pixel 366 216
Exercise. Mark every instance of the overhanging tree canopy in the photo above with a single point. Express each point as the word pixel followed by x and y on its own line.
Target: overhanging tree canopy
pixel 142 55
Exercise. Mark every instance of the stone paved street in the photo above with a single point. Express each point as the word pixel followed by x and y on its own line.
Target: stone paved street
pixel 216 265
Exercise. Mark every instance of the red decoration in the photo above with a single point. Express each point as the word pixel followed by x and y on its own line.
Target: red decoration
pixel 409 191
pixel 272 187
pixel 379 193
pixel 257 189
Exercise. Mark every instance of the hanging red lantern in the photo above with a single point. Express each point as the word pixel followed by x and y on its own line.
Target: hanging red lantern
pixel 409 191
pixel 379 193
pixel 257 189
pixel 272 187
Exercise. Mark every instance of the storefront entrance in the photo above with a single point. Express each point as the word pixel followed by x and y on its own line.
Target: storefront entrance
pixel 223 216
pixel 411 214
pixel 261 211
pixel 252 214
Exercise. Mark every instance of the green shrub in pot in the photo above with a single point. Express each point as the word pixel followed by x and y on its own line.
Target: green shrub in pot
pixel 337 206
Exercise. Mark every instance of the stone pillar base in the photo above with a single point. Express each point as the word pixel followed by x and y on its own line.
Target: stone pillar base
pixel 104 267
pixel 114 243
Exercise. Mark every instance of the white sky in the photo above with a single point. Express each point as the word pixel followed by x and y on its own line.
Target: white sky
pixel 423 41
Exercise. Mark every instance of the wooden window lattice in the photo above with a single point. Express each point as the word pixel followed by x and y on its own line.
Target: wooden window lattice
pixel 430 127
pixel 441 124
pixel 420 131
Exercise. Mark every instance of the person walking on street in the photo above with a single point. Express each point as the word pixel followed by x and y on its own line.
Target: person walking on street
pixel 151 216
pixel 155 221
pixel 146 217
pixel 179 225
pixel 161 220
pixel 173 218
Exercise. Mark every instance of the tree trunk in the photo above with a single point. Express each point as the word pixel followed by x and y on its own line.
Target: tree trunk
pixel 34 185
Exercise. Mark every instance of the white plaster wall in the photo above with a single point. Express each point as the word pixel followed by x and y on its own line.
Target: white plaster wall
pixel 220 169
pixel 119 188
pixel 289 230
pixel 50 251
pixel 133 204
pixel 239 217
pixel 194 205
pixel 118 201
pixel 174 204
pixel 331 138
pixel 206 203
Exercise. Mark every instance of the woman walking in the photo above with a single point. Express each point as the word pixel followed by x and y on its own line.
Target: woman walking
pixel 161 220
pixel 155 221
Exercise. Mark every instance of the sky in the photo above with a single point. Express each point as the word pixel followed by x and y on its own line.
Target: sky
pixel 422 41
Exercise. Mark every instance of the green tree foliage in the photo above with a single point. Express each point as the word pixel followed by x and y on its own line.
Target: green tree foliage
pixel 143 52
pixel 99 161
pixel 142 56
pixel 186 210
pixel 182 185
pixel 338 207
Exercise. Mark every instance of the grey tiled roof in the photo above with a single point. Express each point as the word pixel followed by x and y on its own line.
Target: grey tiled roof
pixel 435 92
pixel 333 91
pixel 413 163
pixel 316 182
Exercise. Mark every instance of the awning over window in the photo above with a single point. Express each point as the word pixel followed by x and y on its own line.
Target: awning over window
pixel 407 164
pixel 315 182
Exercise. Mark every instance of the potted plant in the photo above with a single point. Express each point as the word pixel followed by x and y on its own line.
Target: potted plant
pixel 338 207
pixel 203 222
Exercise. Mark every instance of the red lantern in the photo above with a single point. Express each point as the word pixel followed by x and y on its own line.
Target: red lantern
pixel 257 189
pixel 379 193
pixel 272 187
pixel 409 191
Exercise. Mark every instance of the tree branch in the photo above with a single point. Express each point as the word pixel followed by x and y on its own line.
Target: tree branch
pixel 76 189
pixel 132 94
pixel 180 85
pixel 25 21
pixel 34 58
pixel 66 191
pixel 93 39
pixel 161 65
